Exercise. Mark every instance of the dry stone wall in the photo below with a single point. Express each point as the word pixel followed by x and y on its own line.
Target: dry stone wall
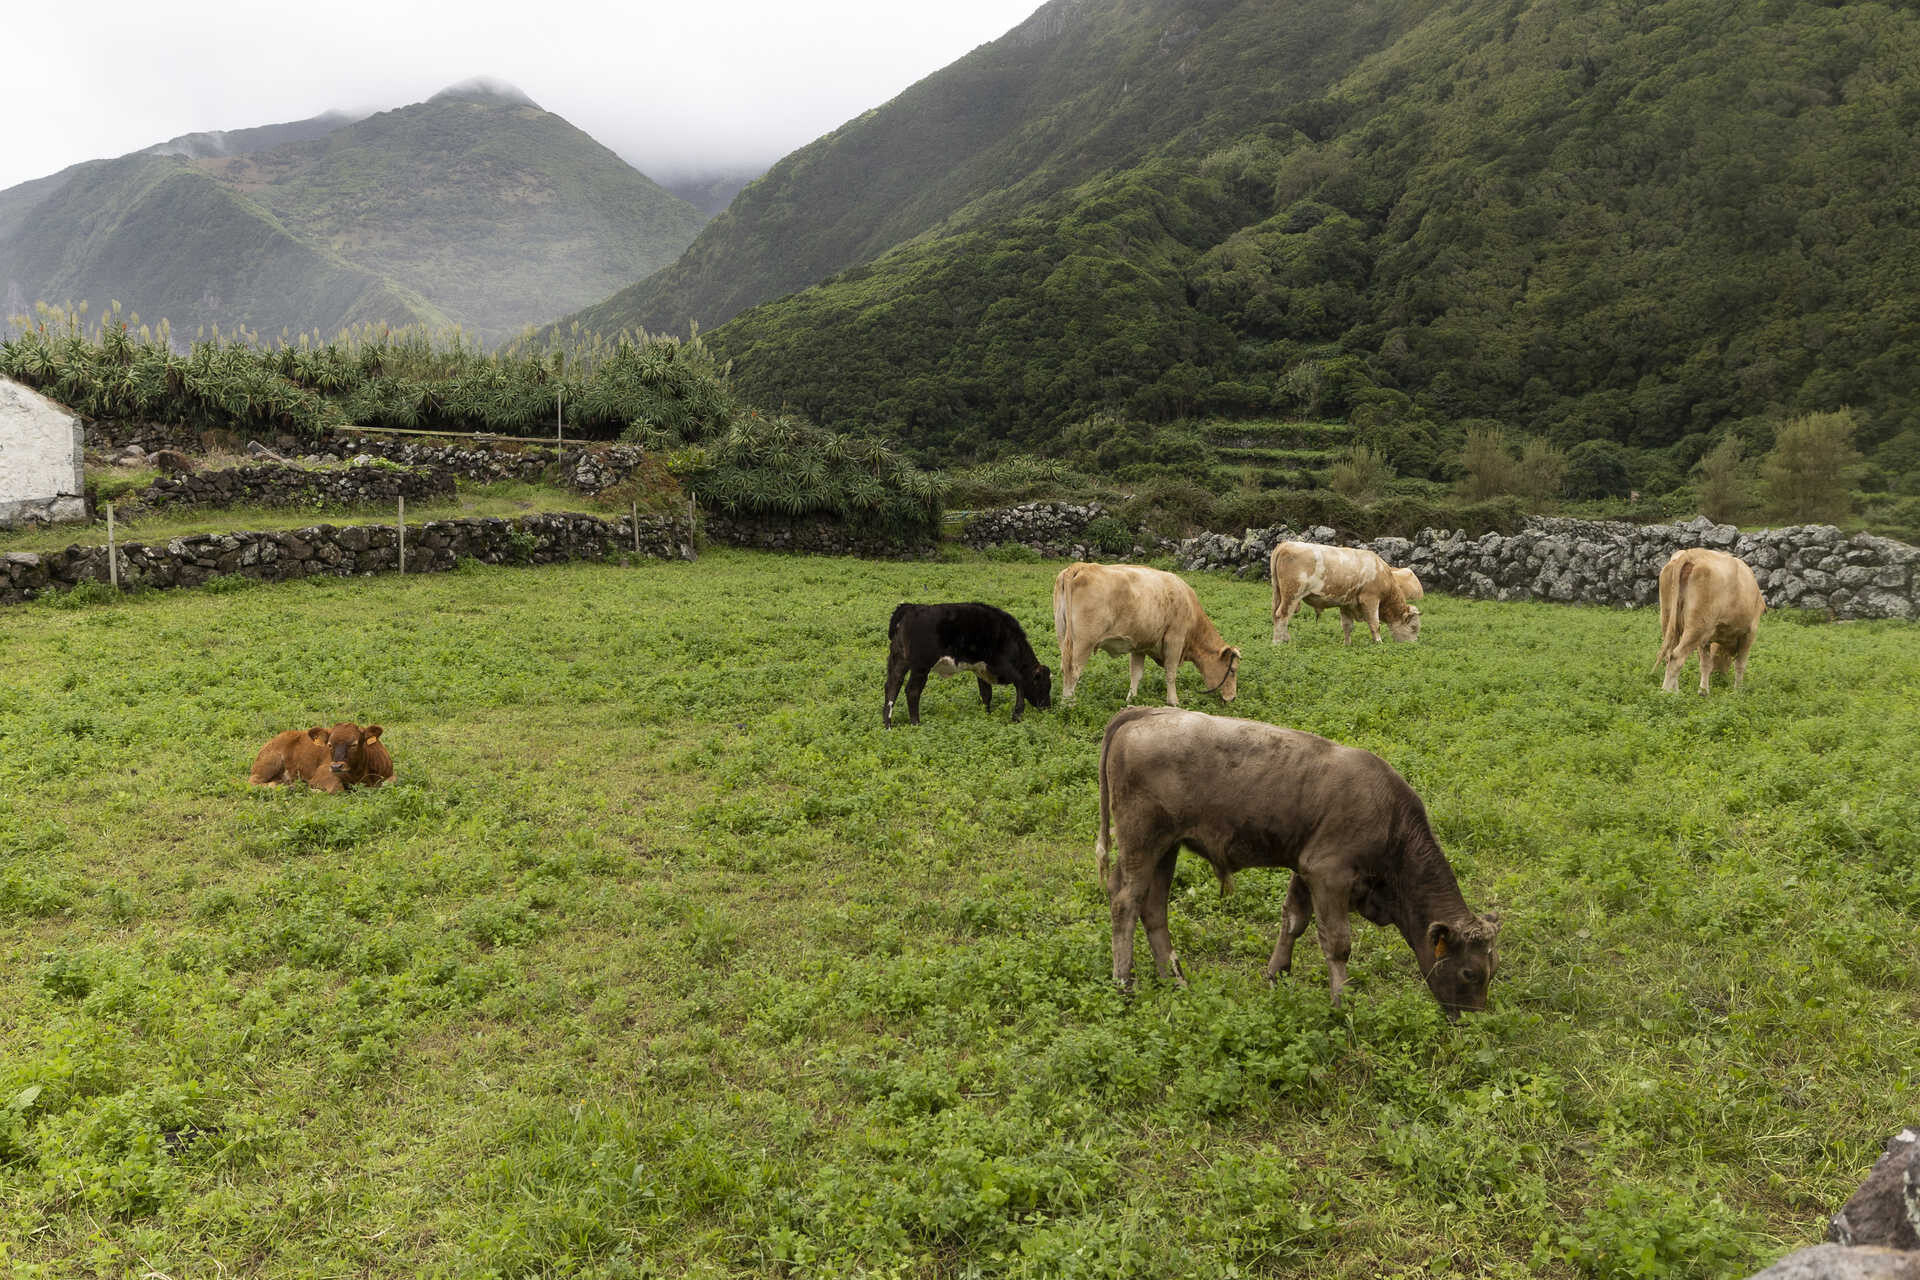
pixel 1603 562
pixel 1055 529
pixel 588 469
pixel 433 546
pixel 273 484
pixel 818 535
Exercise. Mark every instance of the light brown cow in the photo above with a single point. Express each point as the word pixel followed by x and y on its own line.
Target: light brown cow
pixel 325 759
pixel 1409 587
pixel 1709 602
pixel 1243 794
pixel 1352 579
pixel 1141 612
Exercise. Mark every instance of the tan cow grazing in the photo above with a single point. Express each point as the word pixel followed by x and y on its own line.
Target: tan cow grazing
pixel 325 759
pixel 1141 612
pixel 1709 602
pixel 1244 794
pixel 1409 585
pixel 1352 579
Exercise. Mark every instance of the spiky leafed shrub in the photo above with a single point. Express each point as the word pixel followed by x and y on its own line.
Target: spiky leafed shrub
pixel 374 377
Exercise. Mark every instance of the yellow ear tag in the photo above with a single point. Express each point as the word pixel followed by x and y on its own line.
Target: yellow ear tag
pixel 1439 948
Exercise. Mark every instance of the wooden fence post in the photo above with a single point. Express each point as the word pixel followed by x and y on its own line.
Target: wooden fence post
pixel 402 526
pixel 113 554
pixel 636 526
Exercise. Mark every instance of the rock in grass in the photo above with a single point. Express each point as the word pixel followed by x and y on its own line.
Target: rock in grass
pixel 1841 1262
pixel 1886 1208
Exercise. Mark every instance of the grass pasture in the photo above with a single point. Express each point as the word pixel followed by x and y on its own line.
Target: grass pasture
pixel 659 957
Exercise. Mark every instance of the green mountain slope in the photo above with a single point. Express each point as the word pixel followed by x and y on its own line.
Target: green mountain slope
pixel 167 240
pixel 1643 221
pixel 475 208
pixel 1079 87
pixel 502 214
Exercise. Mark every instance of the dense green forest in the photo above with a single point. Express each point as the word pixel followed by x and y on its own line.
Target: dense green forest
pixel 1655 224
pixel 475 208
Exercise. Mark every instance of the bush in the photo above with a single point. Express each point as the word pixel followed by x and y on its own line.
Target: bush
pixel 1110 535
pixel 1724 483
pixel 1361 475
pixel 1170 507
pixel 1598 469
pixel 1808 474
pixel 1488 469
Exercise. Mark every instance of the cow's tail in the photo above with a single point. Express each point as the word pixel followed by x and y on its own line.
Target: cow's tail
pixel 893 623
pixel 1671 613
pixel 1103 840
pixel 1063 615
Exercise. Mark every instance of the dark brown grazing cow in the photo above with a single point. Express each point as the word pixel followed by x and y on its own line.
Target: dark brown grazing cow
pixel 1244 794
pixel 325 759
pixel 943 639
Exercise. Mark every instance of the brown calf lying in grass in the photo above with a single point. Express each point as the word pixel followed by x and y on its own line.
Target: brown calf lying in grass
pixel 325 759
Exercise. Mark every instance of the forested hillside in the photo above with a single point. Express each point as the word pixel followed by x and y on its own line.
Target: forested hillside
pixel 170 241
pixel 1645 222
pixel 475 208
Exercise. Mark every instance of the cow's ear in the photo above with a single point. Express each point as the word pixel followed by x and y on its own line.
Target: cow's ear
pixel 1440 934
pixel 371 733
pixel 318 734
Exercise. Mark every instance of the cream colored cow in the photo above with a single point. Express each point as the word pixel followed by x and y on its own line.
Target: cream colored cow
pixel 1352 579
pixel 1709 602
pixel 1141 612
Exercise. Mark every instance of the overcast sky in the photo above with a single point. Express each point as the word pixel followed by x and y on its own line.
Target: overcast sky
pixel 673 87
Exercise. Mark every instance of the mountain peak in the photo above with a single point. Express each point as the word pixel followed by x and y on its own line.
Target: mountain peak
pixel 484 89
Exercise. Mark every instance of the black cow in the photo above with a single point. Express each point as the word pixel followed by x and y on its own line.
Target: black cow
pixel 946 638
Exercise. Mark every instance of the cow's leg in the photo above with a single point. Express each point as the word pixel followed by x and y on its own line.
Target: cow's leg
pixel 1136 668
pixel 1019 700
pixel 986 696
pixel 896 672
pixel 1282 613
pixel 1336 932
pixel 915 683
pixel 1126 903
pixel 1370 610
pixel 1740 659
pixel 1171 665
pixel 1293 922
pixel 1706 666
pixel 1671 684
pixel 1155 918
pixel 1072 663
pixel 1346 626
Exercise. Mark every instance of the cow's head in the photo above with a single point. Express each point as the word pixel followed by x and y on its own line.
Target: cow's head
pixel 346 749
pixel 1464 959
pixel 1039 689
pixel 1229 683
pixel 1406 629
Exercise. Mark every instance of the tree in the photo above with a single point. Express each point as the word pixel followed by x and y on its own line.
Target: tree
pixel 1726 487
pixel 1811 468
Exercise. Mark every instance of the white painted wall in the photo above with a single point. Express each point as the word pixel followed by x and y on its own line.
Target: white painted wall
pixel 41 467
